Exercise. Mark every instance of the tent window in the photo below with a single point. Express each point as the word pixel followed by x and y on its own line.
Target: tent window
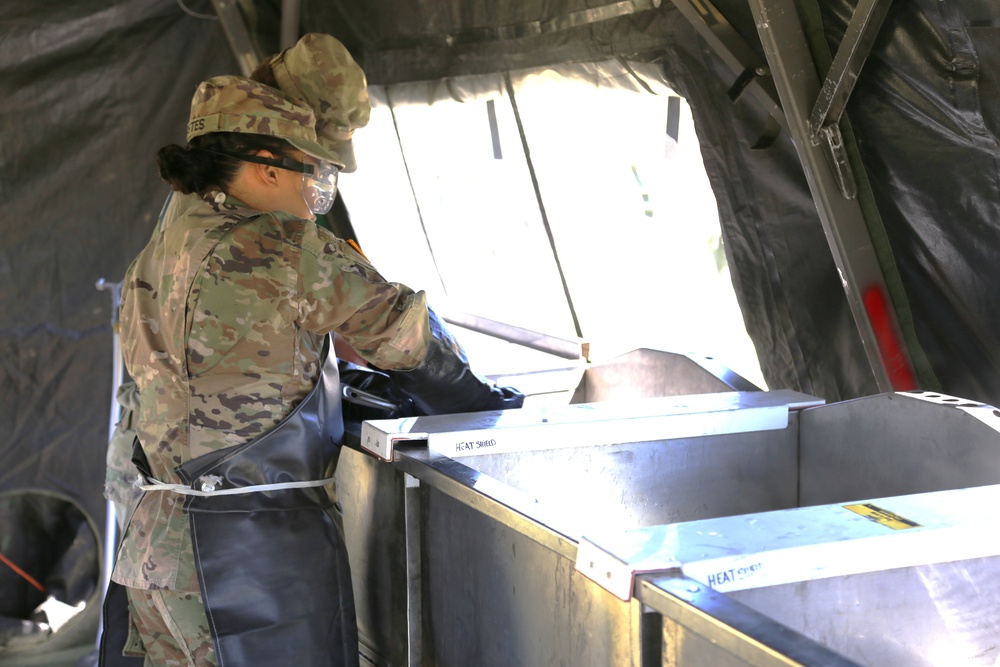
pixel 485 251
pixel 633 219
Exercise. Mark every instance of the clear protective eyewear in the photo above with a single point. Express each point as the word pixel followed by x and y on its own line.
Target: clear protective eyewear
pixel 319 181
pixel 319 188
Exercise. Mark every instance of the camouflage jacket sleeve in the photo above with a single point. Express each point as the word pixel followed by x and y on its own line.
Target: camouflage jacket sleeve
pixel 386 323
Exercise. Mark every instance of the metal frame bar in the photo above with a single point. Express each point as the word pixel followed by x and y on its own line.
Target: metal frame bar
pixel 565 348
pixel 790 91
pixel 754 638
pixel 412 510
pixel 111 536
pixel 798 86
pixel 824 121
pixel 753 75
pixel 244 50
pixel 291 12
pixel 851 55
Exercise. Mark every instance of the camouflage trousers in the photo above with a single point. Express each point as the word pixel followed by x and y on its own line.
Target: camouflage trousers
pixel 169 628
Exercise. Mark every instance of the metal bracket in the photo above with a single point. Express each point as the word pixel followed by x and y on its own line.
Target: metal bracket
pixel 861 32
pixel 743 81
pixel 753 76
pixel 841 165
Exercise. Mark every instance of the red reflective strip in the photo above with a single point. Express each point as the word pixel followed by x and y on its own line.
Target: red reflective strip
pixel 891 350
pixel 21 572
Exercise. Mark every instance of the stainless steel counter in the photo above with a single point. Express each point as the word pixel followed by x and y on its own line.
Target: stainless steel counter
pixel 485 559
pixel 903 580
pixel 448 551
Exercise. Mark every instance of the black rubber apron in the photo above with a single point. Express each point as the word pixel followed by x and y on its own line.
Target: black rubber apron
pixel 272 564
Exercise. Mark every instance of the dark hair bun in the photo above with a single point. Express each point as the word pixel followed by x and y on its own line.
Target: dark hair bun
pixel 207 163
pixel 185 169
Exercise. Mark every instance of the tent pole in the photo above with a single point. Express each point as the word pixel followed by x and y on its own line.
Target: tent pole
pixel 242 45
pixel 118 372
pixel 799 87
pixel 291 11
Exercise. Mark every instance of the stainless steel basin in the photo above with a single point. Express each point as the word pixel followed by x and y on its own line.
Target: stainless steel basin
pixel 474 559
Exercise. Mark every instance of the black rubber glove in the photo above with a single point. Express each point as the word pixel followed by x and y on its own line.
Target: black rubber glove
pixel 373 383
pixel 444 383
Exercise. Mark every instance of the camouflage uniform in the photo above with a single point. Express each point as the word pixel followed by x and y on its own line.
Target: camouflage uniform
pixel 244 306
pixel 320 72
pixel 223 316
pixel 120 475
pixel 164 618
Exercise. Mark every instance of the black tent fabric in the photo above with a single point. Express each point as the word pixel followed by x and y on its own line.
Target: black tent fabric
pixel 783 273
pixel 924 113
pixel 90 90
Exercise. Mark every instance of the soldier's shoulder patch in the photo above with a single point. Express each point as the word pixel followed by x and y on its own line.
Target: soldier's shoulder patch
pixel 357 248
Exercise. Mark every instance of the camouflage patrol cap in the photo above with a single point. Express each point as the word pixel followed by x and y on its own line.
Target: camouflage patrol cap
pixel 320 71
pixel 236 104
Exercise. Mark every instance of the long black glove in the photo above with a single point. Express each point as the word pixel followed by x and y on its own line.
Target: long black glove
pixel 361 384
pixel 444 383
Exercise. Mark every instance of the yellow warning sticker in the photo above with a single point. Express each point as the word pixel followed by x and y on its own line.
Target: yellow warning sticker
pixel 882 516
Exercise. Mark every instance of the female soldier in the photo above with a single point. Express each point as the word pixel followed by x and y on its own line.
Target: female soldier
pixel 231 555
pixel 320 72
